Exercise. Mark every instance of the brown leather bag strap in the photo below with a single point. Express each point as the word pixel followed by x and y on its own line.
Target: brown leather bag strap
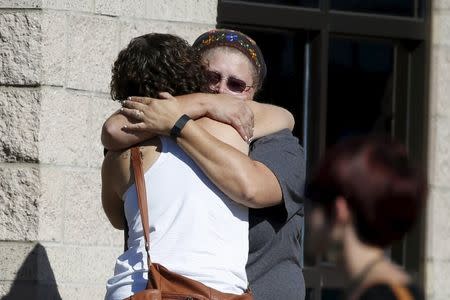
pixel 136 160
pixel 401 292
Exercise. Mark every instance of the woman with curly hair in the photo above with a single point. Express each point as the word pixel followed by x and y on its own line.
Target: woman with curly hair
pixel 169 65
pixel 196 230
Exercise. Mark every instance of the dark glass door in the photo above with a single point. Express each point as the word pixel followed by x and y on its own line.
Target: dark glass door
pixel 360 88
pixel 344 68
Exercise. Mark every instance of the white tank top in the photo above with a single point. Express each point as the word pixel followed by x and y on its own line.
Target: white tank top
pixel 195 229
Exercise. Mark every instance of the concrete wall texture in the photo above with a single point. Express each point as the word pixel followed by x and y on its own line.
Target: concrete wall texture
pixel 438 210
pixel 55 68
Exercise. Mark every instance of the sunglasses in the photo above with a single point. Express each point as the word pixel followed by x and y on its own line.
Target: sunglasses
pixel 233 84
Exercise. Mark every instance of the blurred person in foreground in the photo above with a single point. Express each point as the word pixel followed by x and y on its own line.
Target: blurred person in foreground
pixel 365 195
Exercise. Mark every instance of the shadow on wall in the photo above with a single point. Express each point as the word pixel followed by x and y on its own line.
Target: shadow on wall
pixel 35 278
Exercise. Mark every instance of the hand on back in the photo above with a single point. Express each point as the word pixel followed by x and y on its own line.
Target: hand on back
pixel 159 115
pixel 155 115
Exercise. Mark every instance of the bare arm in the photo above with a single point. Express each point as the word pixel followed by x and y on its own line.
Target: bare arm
pixel 222 108
pixel 113 136
pixel 111 201
pixel 270 118
pixel 245 181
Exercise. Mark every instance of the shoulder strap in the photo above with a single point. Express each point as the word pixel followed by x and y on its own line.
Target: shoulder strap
pixel 136 160
pixel 401 292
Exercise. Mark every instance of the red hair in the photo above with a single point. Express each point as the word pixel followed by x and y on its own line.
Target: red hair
pixel 384 192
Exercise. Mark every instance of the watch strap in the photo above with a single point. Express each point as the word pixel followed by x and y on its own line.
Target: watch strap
pixel 179 125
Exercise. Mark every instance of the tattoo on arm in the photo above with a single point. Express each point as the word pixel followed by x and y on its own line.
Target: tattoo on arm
pixel 125 154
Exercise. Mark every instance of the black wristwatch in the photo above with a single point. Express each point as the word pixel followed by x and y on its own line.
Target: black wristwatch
pixel 176 129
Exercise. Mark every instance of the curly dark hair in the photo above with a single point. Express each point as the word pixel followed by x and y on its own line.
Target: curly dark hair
pixel 154 63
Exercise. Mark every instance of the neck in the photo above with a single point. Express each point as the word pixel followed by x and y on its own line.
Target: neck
pixel 357 256
pixel 366 265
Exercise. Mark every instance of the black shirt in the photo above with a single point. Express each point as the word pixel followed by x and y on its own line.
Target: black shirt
pixel 387 292
pixel 274 267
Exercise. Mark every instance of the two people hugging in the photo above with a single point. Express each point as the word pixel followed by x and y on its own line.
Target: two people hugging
pixel 225 179
pixel 225 189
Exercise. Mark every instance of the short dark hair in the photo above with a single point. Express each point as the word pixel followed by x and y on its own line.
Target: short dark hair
pixel 154 63
pixel 384 191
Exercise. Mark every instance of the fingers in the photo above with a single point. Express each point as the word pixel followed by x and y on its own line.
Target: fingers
pixel 131 113
pixel 243 123
pixel 134 105
pixel 245 132
pixel 143 100
pixel 250 132
pixel 247 119
pixel 241 132
pixel 134 127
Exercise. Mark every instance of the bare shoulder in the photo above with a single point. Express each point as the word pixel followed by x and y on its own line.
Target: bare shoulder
pixel 117 164
pixel 266 110
pixel 150 149
pixel 224 133
pixel 270 118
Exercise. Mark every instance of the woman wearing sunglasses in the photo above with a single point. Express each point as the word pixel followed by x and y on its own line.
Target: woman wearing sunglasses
pixel 271 178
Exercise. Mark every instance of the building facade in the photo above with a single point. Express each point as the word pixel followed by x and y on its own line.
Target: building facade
pixel 55 68
pixel 56 59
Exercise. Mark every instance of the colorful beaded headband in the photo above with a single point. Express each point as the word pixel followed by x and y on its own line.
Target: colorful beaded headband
pixel 234 39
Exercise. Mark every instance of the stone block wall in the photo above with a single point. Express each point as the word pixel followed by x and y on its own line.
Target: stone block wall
pixel 438 211
pixel 55 68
